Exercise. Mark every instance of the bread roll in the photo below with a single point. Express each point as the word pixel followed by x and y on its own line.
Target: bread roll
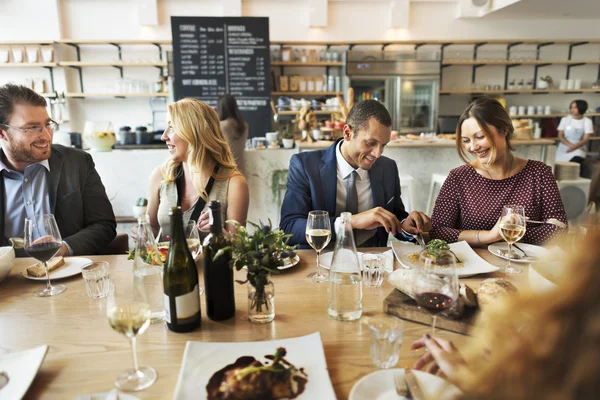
pixel 38 271
pixel 494 291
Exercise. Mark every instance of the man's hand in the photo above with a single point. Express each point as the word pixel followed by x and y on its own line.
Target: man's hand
pixel 417 222
pixel 375 218
pixel 63 250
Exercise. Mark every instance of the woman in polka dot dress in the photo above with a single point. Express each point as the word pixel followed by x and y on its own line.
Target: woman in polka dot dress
pixel 471 199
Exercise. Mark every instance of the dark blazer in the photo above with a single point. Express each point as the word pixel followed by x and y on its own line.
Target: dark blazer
pixel 312 184
pixel 78 201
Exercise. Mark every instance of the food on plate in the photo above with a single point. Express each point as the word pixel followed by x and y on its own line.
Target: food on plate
pixel 493 291
pixel 38 271
pixel 434 249
pixel 248 378
pixel 446 136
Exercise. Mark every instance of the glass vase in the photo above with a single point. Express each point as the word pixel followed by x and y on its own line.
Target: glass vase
pixel 261 303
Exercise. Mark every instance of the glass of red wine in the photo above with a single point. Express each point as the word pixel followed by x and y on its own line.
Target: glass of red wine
pixel 42 241
pixel 436 285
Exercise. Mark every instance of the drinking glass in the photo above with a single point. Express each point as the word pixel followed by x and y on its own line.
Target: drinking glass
pixel 42 242
pixel 512 229
pixel 318 235
pixel 129 313
pixel 386 340
pixel 192 235
pixel 436 285
pixel 373 267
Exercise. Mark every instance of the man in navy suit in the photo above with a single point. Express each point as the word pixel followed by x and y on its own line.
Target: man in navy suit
pixel 319 180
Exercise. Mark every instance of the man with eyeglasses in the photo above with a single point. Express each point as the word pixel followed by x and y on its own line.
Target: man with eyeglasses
pixel 38 178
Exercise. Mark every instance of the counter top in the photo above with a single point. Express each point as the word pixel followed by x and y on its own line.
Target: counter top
pixel 321 144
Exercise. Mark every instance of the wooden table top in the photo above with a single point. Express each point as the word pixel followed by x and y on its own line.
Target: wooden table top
pixel 85 355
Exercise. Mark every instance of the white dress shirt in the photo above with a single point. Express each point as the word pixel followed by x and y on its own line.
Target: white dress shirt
pixel 363 191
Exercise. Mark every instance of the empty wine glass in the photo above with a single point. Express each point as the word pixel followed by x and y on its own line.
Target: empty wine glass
pixel 42 242
pixel 436 285
pixel 129 313
pixel 512 229
pixel 318 235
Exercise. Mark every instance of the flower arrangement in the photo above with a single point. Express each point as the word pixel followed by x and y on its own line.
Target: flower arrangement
pixel 262 252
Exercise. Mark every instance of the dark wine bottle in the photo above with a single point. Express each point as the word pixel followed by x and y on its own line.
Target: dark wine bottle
pixel 180 278
pixel 218 275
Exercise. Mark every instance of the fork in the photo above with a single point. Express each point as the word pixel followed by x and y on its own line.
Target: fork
pixel 400 385
pixel 551 221
pixel 418 238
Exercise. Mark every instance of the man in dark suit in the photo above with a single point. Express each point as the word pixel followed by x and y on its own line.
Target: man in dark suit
pixel 38 178
pixel 351 175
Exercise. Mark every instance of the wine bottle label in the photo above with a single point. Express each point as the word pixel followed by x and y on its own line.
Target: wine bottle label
pixel 186 306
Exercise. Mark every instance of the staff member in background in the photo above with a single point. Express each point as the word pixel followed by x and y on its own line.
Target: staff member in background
pixel 323 180
pixel 234 128
pixel 471 199
pixel 574 132
pixel 39 178
pixel 200 169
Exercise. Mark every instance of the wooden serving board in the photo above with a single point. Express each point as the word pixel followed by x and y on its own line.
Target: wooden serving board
pixel 400 305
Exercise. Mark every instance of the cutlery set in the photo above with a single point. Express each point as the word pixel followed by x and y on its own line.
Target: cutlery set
pixel 407 386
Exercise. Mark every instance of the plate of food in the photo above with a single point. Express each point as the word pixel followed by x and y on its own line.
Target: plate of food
pixel 20 368
pixel 58 267
pixel 289 262
pixel 534 253
pixel 468 263
pixel 380 385
pixel 273 369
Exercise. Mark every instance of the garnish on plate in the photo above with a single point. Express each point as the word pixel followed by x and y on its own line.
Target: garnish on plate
pixel 434 249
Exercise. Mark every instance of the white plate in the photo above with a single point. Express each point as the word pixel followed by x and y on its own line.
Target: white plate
pixel 202 359
pixel 289 263
pixel 533 251
pixel 72 267
pixel 21 367
pixel 379 385
pixel 473 263
pixel 326 258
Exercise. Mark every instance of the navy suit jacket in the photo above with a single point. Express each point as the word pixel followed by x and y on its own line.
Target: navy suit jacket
pixel 312 185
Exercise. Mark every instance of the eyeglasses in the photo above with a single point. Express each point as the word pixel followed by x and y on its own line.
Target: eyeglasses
pixel 51 126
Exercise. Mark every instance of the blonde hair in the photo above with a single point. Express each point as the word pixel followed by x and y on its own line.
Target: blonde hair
pixel 487 112
pixel 543 346
pixel 198 125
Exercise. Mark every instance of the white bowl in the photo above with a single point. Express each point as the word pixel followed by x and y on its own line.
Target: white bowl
pixel 7 261
pixel 539 274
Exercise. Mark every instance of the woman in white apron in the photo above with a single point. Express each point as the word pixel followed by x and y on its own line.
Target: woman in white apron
pixel 574 132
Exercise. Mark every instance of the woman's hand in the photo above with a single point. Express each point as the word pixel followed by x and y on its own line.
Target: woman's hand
pixel 204 222
pixel 491 236
pixel 442 357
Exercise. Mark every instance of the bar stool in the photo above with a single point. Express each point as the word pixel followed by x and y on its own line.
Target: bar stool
pixel 407 192
pixel 437 180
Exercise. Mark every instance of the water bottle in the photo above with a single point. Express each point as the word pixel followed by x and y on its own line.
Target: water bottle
pixel 345 282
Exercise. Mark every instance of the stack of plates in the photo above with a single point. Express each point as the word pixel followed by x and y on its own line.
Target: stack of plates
pixel 566 171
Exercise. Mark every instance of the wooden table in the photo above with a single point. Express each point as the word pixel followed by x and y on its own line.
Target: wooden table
pixel 85 355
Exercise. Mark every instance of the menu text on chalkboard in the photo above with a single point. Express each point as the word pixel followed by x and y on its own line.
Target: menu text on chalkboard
pixel 217 55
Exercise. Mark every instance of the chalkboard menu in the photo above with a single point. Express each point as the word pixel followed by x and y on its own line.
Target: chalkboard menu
pixel 213 56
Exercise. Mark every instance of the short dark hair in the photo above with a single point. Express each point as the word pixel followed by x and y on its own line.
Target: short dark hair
pixel 363 111
pixel 487 112
pixel 582 106
pixel 227 108
pixel 11 94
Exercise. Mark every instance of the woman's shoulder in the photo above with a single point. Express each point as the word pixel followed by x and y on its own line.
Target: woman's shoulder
pixel 465 170
pixel 536 167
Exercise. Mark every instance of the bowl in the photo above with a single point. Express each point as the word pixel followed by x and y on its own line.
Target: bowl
pixel 544 275
pixel 7 261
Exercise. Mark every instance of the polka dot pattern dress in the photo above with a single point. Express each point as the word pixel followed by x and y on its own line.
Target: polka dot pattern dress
pixel 469 201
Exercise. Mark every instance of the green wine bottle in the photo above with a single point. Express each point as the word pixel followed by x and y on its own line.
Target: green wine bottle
pixel 180 278
pixel 218 274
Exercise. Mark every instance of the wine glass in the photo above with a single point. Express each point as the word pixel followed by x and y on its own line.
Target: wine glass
pixel 42 242
pixel 318 235
pixel 512 229
pixel 436 285
pixel 192 235
pixel 129 313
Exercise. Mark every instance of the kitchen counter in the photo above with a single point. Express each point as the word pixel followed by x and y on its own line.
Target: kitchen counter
pixel 321 144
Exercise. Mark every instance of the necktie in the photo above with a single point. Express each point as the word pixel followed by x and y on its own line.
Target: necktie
pixel 351 195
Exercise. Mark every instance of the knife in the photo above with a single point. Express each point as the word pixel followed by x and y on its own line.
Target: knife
pixel 412 385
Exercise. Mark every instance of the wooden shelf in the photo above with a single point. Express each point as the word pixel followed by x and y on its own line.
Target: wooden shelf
pixel 551 115
pixel 110 42
pixel 523 62
pixel 111 64
pixel 307 64
pixel 521 91
pixel 81 95
pixel 315 111
pixel 305 93
pixel 433 42
pixel 40 43
pixel 28 65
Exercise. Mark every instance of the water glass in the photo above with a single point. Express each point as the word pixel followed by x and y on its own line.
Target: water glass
pixel 373 267
pixel 96 278
pixel 386 340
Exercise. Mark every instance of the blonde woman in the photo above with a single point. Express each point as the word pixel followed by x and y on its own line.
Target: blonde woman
pixel 200 169
pixel 537 347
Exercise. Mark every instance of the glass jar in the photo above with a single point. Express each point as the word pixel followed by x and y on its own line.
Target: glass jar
pixel 261 303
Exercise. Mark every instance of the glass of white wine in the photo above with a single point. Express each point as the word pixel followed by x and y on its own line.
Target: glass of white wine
pixel 129 313
pixel 192 235
pixel 318 235
pixel 512 229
